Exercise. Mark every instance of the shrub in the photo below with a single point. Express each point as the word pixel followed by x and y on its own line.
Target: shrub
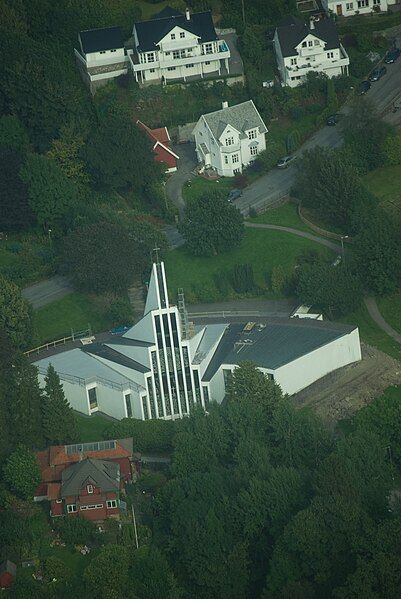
pixel 240 181
pixel 278 279
pixel 221 279
pixel 75 531
pixel 242 278
pixel 148 435
pixel 120 312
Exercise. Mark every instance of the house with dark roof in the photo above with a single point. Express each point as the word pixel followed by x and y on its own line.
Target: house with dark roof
pixel 90 475
pixel 302 48
pixel 162 151
pixel 177 46
pixel 101 55
pixel 164 366
pixel 229 139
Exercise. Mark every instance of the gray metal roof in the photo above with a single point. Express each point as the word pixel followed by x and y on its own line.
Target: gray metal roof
pixel 242 117
pixel 99 473
pixel 279 342
pixel 113 355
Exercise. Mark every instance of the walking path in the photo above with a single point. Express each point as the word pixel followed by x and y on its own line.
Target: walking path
pixel 375 315
pixel 305 234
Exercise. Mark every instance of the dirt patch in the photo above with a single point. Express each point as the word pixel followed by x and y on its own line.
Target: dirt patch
pixel 342 392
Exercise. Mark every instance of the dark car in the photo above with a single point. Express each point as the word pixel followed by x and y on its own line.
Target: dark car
pixel 363 88
pixel 333 119
pixel 377 73
pixel 234 194
pixel 392 55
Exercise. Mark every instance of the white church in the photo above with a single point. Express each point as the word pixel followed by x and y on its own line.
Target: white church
pixel 164 365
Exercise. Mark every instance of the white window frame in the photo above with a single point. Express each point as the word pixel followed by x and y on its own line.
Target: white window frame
pixel 235 159
pixel 94 506
pixel 254 150
pixel 111 504
pixel 225 159
pixel 330 54
pixel 182 34
pixel 172 36
pixel 229 141
pixel 208 48
pixel 150 57
pixel 293 61
pixel 88 388
pixel 71 508
pixel 252 134
pixel 363 3
pixel 310 43
pixel 349 6
pixel 90 489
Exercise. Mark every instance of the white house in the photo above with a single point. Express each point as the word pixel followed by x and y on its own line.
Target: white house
pixel 347 8
pixel 302 48
pixel 177 46
pixel 227 140
pixel 163 366
pixel 101 55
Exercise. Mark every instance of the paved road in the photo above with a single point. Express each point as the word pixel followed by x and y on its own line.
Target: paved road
pixel 45 292
pixel 186 164
pixel 375 314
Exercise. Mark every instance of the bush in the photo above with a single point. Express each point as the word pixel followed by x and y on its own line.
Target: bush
pixel 242 278
pixel 279 279
pixel 120 312
pixel 205 293
pixel 75 531
pixel 221 279
pixel 240 181
pixel 148 435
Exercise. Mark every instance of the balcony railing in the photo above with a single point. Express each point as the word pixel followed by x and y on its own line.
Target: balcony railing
pixel 177 62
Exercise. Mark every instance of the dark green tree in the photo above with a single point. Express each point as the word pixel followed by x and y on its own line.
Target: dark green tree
pixel 211 225
pixel 119 154
pixel 12 134
pixel 22 472
pixel 16 213
pixel 249 385
pixel 151 576
pixel 53 197
pixel 103 582
pixel 59 425
pixel 15 314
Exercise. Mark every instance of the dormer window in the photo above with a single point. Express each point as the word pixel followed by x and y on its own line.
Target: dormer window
pixel 252 134
pixel 182 34
pixel 89 488
pixel 173 36
pixel 304 44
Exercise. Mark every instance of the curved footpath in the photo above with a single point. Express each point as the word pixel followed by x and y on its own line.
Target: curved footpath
pixel 375 315
pixel 305 234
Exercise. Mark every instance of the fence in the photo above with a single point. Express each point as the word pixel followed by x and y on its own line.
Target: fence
pixel 321 231
pixel 264 204
pixel 63 341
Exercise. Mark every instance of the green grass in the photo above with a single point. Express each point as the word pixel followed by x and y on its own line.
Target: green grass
pixel 285 215
pixel 196 187
pixel 368 23
pixel 149 9
pixel 285 131
pixel 262 249
pixel 75 310
pixel 385 183
pixel 91 428
pixel 390 308
pixel 371 334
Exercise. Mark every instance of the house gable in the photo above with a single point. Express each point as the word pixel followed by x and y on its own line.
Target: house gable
pixel 310 41
pixel 175 34
pixel 229 133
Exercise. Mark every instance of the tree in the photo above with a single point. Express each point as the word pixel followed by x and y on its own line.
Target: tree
pixel 55 569
pixel 25 398
pixel 249 385
pixel 53 197
pixel 59 424
pixel 16 214
pixel 378 253
pixel 365 133
pixel 76 531
pixel 107 574
pixel 329 184
pixel 119 154
pixel 333 289
pixel 151 576
pixel 22 472
pixel 13 135
pixel 66 152
pixel 211 225
pixel 392 149
pixel 103 257
pixel 15 314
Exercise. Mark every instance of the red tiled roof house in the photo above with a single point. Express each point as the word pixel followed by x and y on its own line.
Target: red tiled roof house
pixel 8 571
pixel 161 146
pixel 85 479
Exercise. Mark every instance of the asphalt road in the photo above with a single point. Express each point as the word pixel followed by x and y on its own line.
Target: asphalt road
pixel 45 292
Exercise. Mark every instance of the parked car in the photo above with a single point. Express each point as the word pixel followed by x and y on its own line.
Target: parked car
pixel 333 119
pixel 286 161
pixel 377 73
pixel 234 194
pixel 392 55
pixel 363 88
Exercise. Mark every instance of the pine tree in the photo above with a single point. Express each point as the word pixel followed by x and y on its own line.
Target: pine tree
pixel 58 418
pixel 25 404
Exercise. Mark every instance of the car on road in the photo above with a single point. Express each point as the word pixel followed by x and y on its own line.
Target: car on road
pixel 234 194
pixel 333 119
pixel 377 73
pixel 285 161
pixel 392 55
pixel 363 88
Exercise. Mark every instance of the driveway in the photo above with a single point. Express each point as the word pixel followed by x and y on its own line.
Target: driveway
pixel 186 165
pixel 45 292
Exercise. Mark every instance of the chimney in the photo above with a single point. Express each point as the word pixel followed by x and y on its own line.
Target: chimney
pixel 311 23
pixel 187 14
pixel 224 104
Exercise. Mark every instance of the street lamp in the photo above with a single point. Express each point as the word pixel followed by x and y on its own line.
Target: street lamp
pixel 49 232
pixel 342 247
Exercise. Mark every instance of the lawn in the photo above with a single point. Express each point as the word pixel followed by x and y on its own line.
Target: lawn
pixel 198 186
pixel 390 308
pixel 91 428
pixel 285 215
pixel 74 311
pixel 385 183
pixel 149 9
pixel 262 249
pixel 371 334
pixel 292 133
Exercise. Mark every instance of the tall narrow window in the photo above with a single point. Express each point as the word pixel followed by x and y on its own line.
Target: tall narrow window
pixel 92 398
pixel 128 405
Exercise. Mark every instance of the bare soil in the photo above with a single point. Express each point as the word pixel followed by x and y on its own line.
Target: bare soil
pixel 346 390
